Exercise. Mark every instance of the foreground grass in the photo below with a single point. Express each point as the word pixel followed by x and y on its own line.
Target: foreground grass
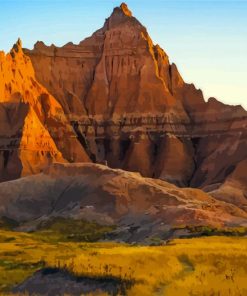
pixel 198 266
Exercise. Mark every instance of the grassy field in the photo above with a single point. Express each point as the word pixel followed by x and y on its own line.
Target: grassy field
pixel 198 266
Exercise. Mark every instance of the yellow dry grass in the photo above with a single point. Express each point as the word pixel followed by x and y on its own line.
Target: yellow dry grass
pixel 200 266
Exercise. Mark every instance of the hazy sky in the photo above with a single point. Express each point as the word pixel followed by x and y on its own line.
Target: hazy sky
pixel 206 39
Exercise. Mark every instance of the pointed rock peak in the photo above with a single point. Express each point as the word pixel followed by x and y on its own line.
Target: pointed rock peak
pixel 214 102
pixel 17 47
pixel 121 14
pixel 121 11
pixel 125 9
pixel 19 42
pixel 39 44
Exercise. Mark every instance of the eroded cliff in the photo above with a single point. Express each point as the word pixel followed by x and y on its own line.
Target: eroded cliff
pixel 131 108
pixel 34 130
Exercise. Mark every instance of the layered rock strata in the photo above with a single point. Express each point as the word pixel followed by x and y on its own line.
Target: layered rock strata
pixel 131 108
pixel 34 130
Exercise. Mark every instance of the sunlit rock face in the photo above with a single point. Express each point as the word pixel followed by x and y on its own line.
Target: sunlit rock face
pixel 132 109
pixel 34 130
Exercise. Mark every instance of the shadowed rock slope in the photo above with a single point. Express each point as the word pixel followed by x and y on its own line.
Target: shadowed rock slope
pixel 132 109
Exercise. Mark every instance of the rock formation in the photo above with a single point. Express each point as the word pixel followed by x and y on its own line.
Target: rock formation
pixel 117 96
pixel 132 109
pixel 34 130
pixel 140 207
pixel 234 189
pixel 116 99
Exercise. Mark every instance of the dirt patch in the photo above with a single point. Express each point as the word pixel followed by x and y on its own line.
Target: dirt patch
pixel 56 282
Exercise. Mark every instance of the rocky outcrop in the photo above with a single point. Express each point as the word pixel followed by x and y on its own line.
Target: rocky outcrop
pixel 234 189
pixel 140 207
pixel 34 130
pixel 115 86
pixel 132 109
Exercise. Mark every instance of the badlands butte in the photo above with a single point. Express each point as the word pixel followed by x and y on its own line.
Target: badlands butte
pixel 107 130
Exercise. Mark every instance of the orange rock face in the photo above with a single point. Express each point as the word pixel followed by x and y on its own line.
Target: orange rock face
pixel 115 99
pixel 34 130
pixel 111 83
pixel 132 109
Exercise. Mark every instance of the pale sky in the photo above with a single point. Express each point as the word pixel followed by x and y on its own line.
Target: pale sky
pixel 206 39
